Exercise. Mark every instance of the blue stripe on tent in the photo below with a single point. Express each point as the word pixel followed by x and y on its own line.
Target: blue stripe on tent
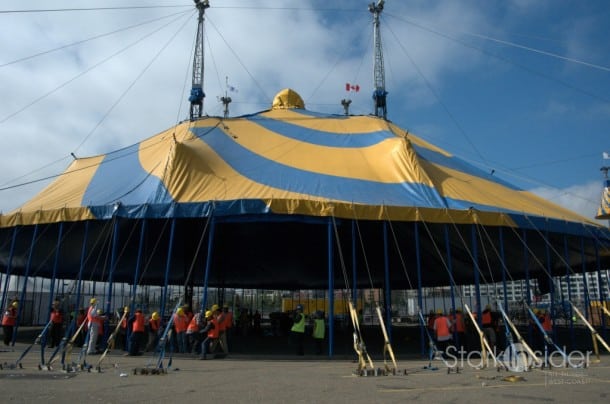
pixel 455 163
pixel 120 177
pixel 271 173
pixel 330 139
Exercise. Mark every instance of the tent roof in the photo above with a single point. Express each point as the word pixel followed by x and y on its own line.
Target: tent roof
pixel 286 161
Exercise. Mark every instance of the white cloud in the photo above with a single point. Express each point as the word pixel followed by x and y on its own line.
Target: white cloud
pixel 583 199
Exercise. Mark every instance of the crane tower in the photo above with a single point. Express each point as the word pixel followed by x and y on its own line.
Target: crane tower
pixel 197 94
pixel 379 93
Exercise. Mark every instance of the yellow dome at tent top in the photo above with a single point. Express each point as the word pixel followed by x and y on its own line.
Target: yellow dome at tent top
pixel 287 99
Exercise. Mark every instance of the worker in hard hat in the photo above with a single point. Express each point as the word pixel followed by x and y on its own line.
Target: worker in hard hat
pixel 154 327
pixel 8 322
pixel 121 339
pixel 93 326
pixel 181 323
pixel 442 332
pixel 211 332
pixel 298 329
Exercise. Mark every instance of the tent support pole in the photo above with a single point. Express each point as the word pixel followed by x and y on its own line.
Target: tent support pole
pixel 55 265
pixel 452 284
pixel 388 287
pixel 528 296
pixel 549 273
pixel 504 269
pixel 331 288
pixel 136 274
pixel 208 265
pixel 8 268
pixel 168 265
pixel 113 264
pixel 584 278
pixel 475 263
pixel 600 282
pixel 569 282
pixel 419 288
pixel 83 255
pixel 354 266
pixel 25 283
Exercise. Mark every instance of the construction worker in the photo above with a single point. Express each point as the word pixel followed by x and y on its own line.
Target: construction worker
pixel 57 322
pixel 222 328
pixel 81 317
pixel 8 322
pixel 228 322
pixel 459 326
pixel 442 332
pixel 121 340
pixel 138 328
pixel 487 321
pixel 298 330
pixel 181 322
pixel 192 332
pixel 211 328
pixel 154 325
pixel 319 328
pixel 93 326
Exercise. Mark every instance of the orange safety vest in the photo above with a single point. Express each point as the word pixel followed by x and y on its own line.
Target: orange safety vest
pixel 180 323
pixel 214 332
pixel 547 324
pixel 459 322
pixel 56 316
pixel 153 324
pixel 442 329
pixel 91 314
pixel 193 327
pixel 138 323
pixel 221 320
pixel 9 316
pixel 229 319
pixel 486 318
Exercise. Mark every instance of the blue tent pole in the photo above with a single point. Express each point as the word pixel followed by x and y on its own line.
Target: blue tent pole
pixel 136 277
pixel 504 269
pixel 452 284
pixel 568 279
pixel 388 287
pixel 55 265
pixel 25 283
pixel 113 264
pixel 528 297
pixel 208 264
pixel 475 263
pixel 83 255
pixel 419 288
pixel 354 265
pixel 600 282
pixel 549 273
pixel 168 265
pixel 584 278
pixel 8 268
pixel 331 289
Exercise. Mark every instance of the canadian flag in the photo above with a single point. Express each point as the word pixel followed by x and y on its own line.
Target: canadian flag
pixel 352 87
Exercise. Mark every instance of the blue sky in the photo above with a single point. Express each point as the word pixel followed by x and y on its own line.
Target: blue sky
pixel 518 86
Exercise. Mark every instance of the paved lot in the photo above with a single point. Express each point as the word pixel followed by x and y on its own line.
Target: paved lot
pixel 290 379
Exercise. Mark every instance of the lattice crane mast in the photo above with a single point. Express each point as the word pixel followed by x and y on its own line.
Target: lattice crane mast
pixel 379 93
pixel 197 94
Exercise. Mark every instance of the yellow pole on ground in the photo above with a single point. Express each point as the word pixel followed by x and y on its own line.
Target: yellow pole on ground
pixel 484 343
pixel 387 345
pixel 594 332
pixel 519 337
pixel 357 343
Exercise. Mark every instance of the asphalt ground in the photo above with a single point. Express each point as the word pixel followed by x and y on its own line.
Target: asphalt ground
pixel 252 378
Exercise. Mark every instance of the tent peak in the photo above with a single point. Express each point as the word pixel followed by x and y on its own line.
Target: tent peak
pixel 287 99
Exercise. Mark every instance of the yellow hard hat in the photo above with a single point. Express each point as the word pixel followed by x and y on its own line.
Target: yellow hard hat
pixel 99 311
pixel 180 312
pixel 155 316
pixel 536 311
pixel 15 304
pixel 439 311
pixel 208 313
pixel 215 307
pixel 126 309
pixel 93 300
